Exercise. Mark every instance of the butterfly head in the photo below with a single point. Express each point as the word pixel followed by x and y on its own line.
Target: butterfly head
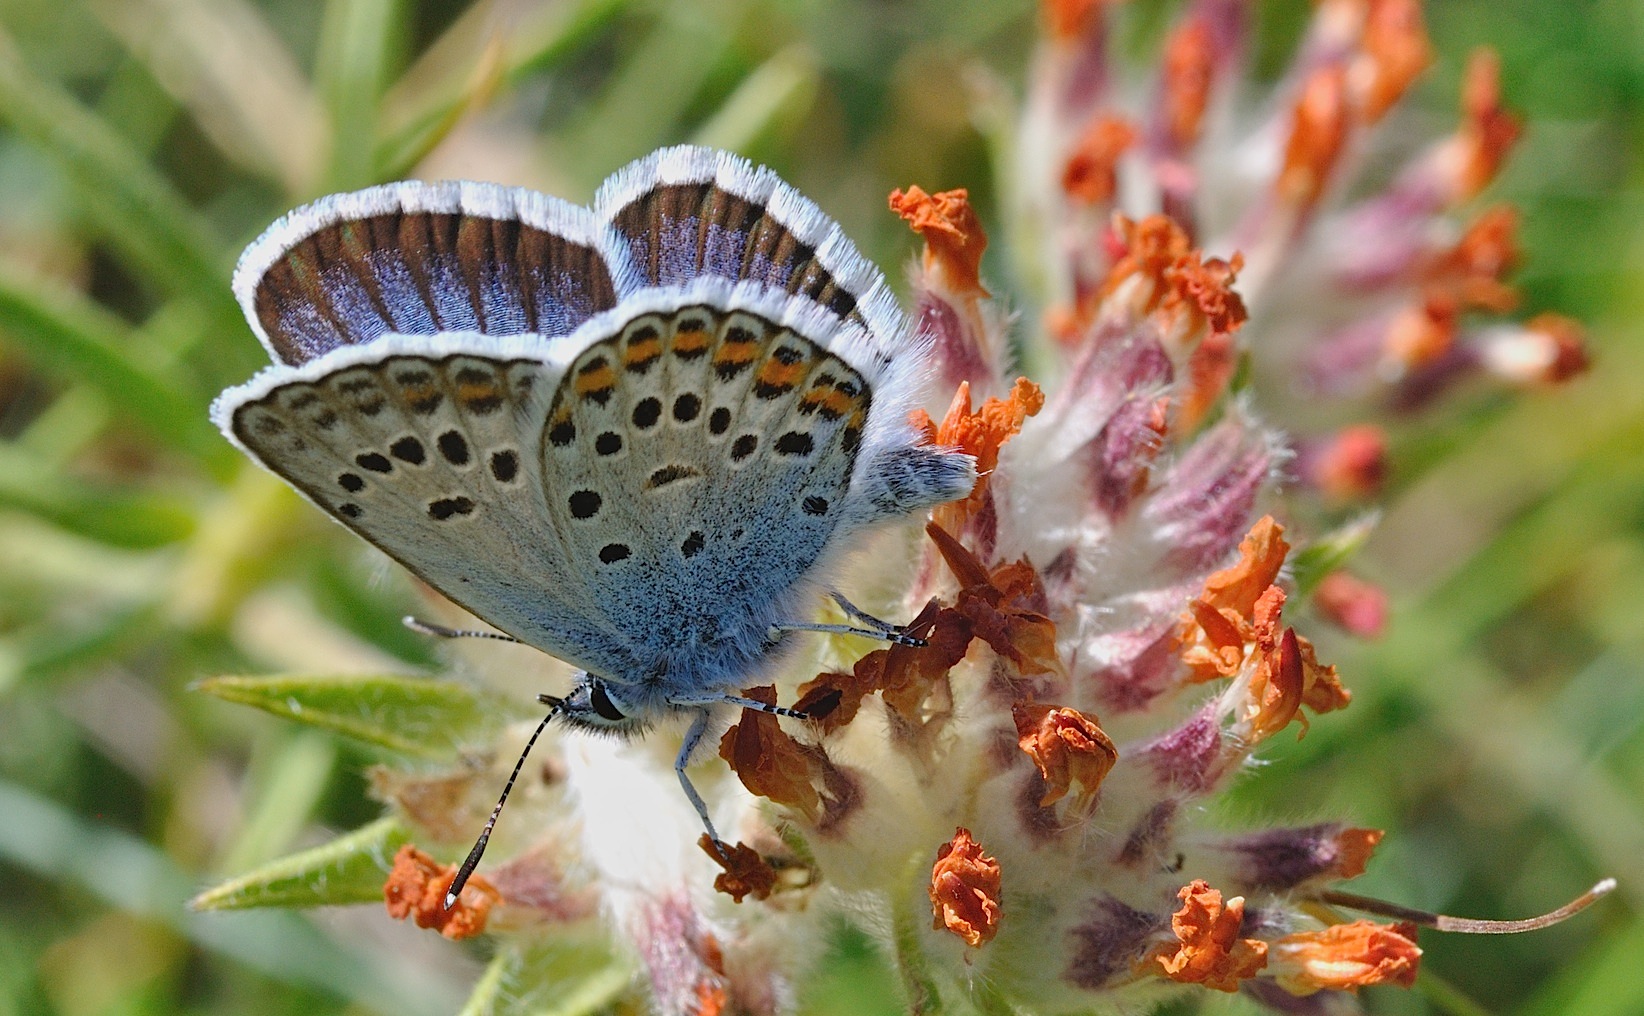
pixel 598 706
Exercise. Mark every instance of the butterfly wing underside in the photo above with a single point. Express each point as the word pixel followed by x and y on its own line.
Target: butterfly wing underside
pixel 699 461
pixel 434 456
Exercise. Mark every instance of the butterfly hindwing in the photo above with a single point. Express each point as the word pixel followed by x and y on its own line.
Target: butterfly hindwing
pixel 697 462
pixel 687 213
pixel 433 455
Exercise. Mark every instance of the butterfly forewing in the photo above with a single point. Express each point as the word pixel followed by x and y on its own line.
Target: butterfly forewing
pixel 435 459
pixel 695 464
pixel 419 259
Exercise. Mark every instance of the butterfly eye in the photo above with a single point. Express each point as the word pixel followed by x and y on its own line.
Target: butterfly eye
pixel 603 705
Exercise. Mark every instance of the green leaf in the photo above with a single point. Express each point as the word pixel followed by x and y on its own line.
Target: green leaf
pixel 62 332
pixel 420 717
pixel 557 977
pixel 471 59
pixel 356 40
pixel 116 516
pixel 349 869
pixel 137 208
pixel 772 100
pixel 1324 555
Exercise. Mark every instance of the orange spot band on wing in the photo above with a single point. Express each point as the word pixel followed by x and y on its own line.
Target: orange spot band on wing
pixel 687 343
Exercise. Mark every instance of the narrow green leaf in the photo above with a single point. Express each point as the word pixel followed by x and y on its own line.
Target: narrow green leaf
pixel 772 100
pixel 356 41
pixel 652 88
pixel 563 976
pixel 63 333
pixel 349 869
pixel 136 208
pixel 432 96
pixel 289 777
pixel 123 872
pixel 1324 555
pixel 115 516
pixel 227 66
pixel 420 717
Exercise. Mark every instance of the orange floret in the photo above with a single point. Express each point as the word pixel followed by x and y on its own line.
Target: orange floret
pixel 903 674
pixel 965 890
pixel 1318 130
pixel 1067 19
pixel 1420 334
pixel 1278 679
pixel 1158 271
pixel 1353 465
pixel 416 888
pixel 1346 957
pixel 954 239
pixel 1209 950
pixel 1261 555
pixel 1322 690
pixel 1358 607
pixel 1187 76
pixel 1147 249
pixel 981 433
pixel 1067 747
pixel 769 762
pixel 1488 131
pixel 1233 628
pixel 1472 271
pixel 1353 850
pixel 1005 609
pixel 1550 349
pixel 745 874
pixel 1395 51
pixel 1090 174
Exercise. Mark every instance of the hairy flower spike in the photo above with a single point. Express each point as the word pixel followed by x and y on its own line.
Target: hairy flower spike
pixel 416 888
pixel 965 890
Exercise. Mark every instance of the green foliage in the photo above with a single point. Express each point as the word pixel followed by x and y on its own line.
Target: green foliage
pixel 414 717
pixel 349 869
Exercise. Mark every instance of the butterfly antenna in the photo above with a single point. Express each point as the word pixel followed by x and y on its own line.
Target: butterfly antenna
pixel 417 624
pixel 473 859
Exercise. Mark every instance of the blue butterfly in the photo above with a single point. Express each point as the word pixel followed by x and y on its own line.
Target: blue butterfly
pixel 631 436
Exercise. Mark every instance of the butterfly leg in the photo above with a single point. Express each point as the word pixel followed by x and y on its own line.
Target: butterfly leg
pixel 875 627
pixel 693 737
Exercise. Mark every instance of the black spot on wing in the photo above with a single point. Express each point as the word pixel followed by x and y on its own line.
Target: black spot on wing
pixel 449 507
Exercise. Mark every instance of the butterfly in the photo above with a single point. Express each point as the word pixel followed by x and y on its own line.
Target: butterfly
pixel 630 436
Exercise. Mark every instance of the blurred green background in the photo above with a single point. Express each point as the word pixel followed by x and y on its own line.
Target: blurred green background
pixel 1496 730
